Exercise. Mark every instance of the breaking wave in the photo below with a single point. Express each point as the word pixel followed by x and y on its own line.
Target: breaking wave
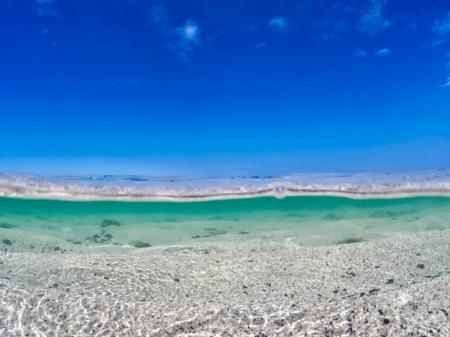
pixel 139 188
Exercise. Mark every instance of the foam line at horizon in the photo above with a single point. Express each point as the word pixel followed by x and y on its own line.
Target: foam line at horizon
pixel 362 185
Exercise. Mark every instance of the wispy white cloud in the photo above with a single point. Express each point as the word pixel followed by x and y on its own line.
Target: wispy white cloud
pixel 442 26
pixel 441 30
pixel 160 17
pixel 45 11
pixel 127 82
pixel 330 29
pixel 188 37
pixel 372 21
pixel 279 24
pixel 189 33
pixel 48 12
pixel 45 2
pixel 434 43
pixel 384 52
pixel 446 83
pixel 44 29
pixel 259 45
pixel 183 39
pixel 361 52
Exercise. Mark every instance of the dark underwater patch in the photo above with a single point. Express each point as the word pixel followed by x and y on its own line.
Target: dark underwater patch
pixel 140 244
pixel 110 222
pixel 351 240
pixel 7 225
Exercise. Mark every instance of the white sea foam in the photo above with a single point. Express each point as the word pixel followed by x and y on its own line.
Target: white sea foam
pixel 357 185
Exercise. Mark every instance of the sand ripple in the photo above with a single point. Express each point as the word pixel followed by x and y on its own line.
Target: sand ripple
pixel 391 287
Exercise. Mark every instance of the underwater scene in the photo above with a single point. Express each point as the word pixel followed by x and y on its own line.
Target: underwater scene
pixel 307 220
pixel 257 257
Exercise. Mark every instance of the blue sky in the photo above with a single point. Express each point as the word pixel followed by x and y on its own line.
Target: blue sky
pixel 223 87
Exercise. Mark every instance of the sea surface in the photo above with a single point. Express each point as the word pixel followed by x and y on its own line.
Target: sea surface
pixel 144 212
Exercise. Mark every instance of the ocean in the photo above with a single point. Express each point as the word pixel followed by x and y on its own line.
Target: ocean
pixel 310 209
pixel 316 255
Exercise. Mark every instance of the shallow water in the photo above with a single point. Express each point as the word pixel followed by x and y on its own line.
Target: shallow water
pixel 308 220
pixel 239 265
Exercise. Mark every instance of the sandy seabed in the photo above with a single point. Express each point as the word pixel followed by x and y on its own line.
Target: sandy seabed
pixel 398 286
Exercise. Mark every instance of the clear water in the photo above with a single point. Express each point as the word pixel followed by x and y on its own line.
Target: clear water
pixel 307 220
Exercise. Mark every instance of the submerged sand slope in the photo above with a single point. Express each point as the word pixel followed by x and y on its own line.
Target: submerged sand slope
pixel 391 287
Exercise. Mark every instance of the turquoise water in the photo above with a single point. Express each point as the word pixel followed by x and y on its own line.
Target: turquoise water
pixel 308 220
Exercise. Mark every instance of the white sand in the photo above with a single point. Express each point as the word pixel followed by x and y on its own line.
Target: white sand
pixel 246 288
